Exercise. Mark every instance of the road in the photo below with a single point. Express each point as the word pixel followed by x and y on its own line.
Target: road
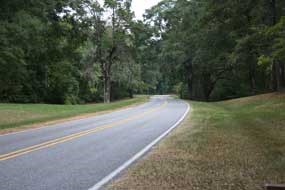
pixel 86 153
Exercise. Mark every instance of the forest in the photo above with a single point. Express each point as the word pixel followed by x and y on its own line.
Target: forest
pixel 80 51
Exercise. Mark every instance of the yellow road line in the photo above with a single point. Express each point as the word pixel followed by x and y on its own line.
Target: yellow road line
pixel 50 143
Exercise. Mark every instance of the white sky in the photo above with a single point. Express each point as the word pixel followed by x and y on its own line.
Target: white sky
pixel 139 6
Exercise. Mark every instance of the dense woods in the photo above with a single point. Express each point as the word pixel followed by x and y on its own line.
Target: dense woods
pixel 77 51
pixel 221 49
pixel 67 51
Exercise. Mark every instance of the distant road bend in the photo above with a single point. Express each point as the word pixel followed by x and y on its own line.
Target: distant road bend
pixel 86 153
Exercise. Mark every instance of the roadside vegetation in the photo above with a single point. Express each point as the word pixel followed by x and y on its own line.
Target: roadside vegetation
pixel 74 51
pixel 235 145
pixel 18 115
pixel 80 52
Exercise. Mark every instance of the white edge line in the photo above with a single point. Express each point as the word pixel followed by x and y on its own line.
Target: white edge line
pixel 113 174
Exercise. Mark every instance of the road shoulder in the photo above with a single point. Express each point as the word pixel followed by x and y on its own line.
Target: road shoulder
pixel 53 121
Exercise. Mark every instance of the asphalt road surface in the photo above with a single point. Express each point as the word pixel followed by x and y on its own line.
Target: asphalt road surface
pixel 86 153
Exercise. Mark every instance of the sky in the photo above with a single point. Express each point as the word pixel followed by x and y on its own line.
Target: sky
pixel 139 6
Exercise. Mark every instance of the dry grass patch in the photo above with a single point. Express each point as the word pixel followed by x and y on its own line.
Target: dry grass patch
pixel 220 146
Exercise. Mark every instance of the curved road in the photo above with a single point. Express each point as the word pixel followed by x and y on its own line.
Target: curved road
pixel 86 153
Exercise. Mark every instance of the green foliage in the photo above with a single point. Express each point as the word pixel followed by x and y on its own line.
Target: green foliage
pixel 182 90
pixel 72 51
pixel 218 50
pixel 48 50
pixel 277 32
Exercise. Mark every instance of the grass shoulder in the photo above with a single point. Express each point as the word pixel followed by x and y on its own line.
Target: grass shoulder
pixel 15 117
pixel 237 144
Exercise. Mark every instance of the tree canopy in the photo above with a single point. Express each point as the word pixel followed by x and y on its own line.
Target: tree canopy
pixel 214 50
pixel 74 51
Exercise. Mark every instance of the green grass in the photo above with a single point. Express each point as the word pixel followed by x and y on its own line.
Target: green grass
pixel 17 115
pixel 233 145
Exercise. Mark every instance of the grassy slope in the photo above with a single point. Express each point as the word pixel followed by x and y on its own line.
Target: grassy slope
pixel 232 145
pixel 16 115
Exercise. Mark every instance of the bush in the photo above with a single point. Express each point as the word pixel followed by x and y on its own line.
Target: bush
pixel 182 90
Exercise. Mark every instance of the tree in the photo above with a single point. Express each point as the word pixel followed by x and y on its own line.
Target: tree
pixel 41 39
pixel 215 47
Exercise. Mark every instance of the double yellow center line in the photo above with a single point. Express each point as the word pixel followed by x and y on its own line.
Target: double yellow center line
pixel 50 143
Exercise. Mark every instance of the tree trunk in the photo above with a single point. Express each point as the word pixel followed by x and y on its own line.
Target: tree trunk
pixel 189 69
pixel 208 86
pixel 252 79
pixel 107 88
pixel 208 94
pixel 209 89
pixel 278 76
pixel 282 70
pixel 273 12
pixel 275 66
pixel 131 93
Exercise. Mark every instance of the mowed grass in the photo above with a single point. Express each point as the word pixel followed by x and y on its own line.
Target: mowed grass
pixel 17 115
pixel 230 145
